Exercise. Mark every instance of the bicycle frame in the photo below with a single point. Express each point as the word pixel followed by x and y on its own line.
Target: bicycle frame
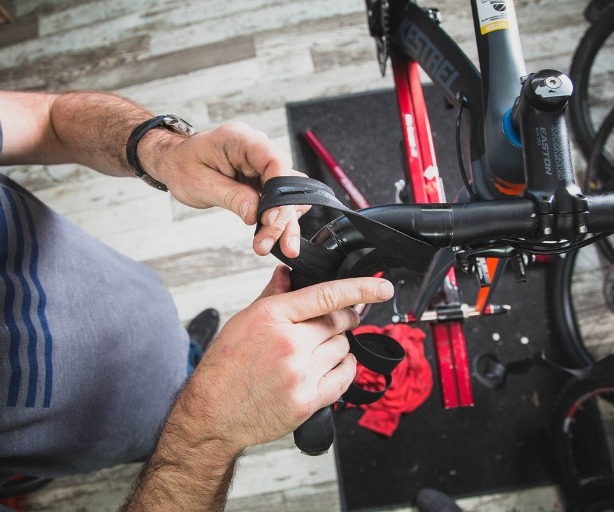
pixel 419 41
pixel 496 161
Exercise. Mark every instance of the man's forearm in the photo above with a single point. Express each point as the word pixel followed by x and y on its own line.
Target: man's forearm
pixel 88 128
pixel 190 470
pixel 169 484
pixel 92 129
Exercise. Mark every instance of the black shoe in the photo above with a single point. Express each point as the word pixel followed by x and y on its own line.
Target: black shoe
pixel 431 500
pixel 203 327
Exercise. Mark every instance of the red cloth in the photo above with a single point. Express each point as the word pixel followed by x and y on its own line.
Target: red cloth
pixel 412 380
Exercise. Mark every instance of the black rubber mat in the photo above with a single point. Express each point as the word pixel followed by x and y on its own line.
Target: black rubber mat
pixel 501 443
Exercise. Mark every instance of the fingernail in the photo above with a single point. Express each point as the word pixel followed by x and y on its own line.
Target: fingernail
pixel 294 243
pixel 385 290
pixel 266 245
pixel 244 209
pixel 273 215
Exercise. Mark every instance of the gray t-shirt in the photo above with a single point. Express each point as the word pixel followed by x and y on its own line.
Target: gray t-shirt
pixel 92 351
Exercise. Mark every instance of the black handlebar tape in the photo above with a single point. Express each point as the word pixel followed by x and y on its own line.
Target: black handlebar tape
pixel 601 213
pixel 316 435
pixel 442 225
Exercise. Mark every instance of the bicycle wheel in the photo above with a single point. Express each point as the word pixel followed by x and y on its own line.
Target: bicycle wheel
pixel 597 179
pixel 583 443
pixel 583 304
pixel 592 73
pixel 604 144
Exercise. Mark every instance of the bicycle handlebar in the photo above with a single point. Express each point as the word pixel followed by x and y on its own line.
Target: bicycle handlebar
pixel 439 225
pixel 601 213
pixel 462 224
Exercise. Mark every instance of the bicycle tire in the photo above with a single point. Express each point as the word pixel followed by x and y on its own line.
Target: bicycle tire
pixel 602 138
pixel 593 10
pixel 579 415
pixel 583 304
pixel 603 144
pixel 590 55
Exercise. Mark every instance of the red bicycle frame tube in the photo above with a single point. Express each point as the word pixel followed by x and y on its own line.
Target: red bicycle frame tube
pixel 423 174
pixel 335 169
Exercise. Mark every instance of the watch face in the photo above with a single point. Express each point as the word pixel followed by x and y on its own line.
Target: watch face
pixel 179 125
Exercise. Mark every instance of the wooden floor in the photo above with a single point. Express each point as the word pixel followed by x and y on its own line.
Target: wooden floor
pixel 213 62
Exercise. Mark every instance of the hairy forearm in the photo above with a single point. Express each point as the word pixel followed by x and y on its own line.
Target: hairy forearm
pixel 92 129
pixel 169 484
pixel 87 128
pixel 190 469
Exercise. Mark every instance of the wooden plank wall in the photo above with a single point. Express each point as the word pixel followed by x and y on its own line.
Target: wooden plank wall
pixel 211 63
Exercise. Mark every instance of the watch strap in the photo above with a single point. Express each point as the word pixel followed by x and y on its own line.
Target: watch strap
pixel 170 122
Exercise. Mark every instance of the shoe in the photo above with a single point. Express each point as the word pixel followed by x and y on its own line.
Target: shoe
pixel 203 327
pixel 432 500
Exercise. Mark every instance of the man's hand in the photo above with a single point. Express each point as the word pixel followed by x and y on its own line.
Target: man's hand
pixel 281 359
pixel 223 167
pixel 271 367
pixel 227 167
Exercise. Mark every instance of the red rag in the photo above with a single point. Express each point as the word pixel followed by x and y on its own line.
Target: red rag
pixel 412 380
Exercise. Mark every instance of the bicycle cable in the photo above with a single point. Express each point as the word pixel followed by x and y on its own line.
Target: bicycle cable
pixel 559 249
pixel 463 102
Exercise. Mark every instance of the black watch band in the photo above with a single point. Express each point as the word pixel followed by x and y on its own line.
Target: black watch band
pixel 170 122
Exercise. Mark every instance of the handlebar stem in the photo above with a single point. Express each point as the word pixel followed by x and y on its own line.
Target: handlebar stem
pixel 549 177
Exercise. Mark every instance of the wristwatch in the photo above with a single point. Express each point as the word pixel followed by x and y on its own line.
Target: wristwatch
pixel 170 122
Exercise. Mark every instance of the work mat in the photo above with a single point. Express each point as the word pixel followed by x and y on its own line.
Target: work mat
pixel 502 442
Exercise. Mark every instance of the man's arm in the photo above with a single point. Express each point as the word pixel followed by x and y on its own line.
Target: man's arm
pixel 223 167
pixel 271 367
pixel 172 481
pixel 85 128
